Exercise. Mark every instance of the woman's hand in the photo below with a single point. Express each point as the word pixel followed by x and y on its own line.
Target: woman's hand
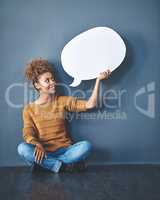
pixel 104 75
pixel 39 153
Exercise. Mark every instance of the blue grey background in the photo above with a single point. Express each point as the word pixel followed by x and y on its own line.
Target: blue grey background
pixel 34 28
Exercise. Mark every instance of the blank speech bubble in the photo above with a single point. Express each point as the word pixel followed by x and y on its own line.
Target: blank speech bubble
pixel 92 52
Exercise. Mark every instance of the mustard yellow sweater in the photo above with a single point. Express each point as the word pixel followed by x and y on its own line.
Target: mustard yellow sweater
pixel 46 123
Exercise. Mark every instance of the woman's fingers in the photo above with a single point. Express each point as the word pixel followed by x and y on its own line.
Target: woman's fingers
pixel 105 74
pixel 38 156
pixel 41 157
pixel 34 151
pixel 108 72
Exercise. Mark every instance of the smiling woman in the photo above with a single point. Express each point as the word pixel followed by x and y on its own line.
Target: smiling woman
pixel 47 141
pixel 45 134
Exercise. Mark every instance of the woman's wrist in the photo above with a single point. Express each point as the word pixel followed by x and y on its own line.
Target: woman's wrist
pixel 98 79
pixel 38 144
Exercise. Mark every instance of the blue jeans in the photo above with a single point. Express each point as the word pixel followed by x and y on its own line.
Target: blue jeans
pixel 73 153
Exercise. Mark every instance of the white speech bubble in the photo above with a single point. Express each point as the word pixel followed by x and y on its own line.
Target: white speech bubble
pixel 92 52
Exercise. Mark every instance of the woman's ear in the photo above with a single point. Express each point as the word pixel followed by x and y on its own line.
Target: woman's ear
pixel 36 86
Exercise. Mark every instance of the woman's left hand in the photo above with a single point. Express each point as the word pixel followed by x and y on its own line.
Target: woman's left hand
pixel 104 75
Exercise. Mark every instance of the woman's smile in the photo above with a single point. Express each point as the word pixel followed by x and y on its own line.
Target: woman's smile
pixel 52 87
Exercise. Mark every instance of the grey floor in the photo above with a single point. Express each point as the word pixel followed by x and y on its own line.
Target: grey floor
pixel 118 182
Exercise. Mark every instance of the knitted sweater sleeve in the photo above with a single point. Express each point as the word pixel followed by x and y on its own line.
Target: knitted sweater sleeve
pixel 28 127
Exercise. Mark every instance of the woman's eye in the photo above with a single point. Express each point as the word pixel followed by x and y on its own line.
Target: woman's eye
pixel 48 80
pixel 53 80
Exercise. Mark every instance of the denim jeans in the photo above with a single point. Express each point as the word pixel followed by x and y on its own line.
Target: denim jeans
pixel 73 153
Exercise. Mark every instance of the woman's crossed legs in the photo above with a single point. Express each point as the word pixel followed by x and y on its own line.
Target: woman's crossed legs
pixel 71 154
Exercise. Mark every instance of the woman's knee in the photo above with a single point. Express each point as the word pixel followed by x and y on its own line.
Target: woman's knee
pixel 76 152
pixel 84 149
pixel 86 146
pixel 23 148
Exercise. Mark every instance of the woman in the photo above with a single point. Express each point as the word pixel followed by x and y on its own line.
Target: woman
pixel 46 141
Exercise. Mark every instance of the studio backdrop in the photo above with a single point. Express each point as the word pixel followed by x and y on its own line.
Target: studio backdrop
pixel 124 128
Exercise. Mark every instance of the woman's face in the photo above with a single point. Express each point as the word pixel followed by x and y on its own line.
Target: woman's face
pixel 46 83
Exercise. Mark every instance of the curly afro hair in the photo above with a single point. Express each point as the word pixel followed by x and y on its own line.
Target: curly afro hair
pixel 35 68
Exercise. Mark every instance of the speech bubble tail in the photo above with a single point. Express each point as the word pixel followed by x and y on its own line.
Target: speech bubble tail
pixel 75 83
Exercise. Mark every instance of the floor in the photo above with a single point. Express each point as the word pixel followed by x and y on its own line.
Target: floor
pixel 117 182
